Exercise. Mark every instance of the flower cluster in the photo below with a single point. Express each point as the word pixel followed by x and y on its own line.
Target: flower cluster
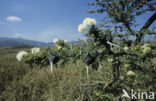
pixel 130 73
pixel 35 50
pixel 126 65
pixel 65 41
pixel 59 43
pixel 126 49
pixel 121 77
pixel 144 46
pixel 110 60
pixel 55 41
pixel 20 55
pixel 146 49
pixel 59 47
pixel 86 22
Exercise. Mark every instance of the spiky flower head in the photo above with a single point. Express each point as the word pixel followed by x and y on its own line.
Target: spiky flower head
pixel 20 55
pixel 147 50
pixel 65 41
pixel 144 46
pixel 130 73
pixel 110 60
pixel 55 40
pixel 59 47
pixel 82 28
pixel 86 22
pixel 126 49
pixel 89 21
pixel 121 77
pixel 35 50
pixel 126 65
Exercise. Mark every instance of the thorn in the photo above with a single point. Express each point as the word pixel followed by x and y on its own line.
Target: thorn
pixel 51 66
pixel 87 73
pixel 99 64
pixel 113 44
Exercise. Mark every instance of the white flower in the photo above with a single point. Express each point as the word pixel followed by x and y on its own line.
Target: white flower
pixel 89 21
pixel 86 22
pixel 147 50
pixel 55 40
pixel 20 55
pixel 110 60
pixel 126 49
pixel 82 28
pixel 127 65
pixel 65 41
pixel 121 77
pixel 35 50
pixel 59 47
pixel 56 45
pixel 130 73
pixel 144 46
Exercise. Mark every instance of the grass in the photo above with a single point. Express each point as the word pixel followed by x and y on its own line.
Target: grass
pixel 19 82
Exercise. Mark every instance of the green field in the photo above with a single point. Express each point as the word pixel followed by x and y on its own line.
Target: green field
pixel 84 50
pixel 20 82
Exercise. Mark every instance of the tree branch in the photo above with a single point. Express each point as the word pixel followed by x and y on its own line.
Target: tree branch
pixel 149 22
pixel 146 26
pixel 95 83
pixel 128 27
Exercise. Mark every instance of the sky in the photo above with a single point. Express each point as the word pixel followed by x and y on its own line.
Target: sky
pixel 45 20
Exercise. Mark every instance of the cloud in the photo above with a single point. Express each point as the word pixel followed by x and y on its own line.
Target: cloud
pixel 14 19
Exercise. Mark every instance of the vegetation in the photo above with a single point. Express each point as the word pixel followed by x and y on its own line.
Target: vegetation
pixel 69 82
pixel 118 64
pixel 123 15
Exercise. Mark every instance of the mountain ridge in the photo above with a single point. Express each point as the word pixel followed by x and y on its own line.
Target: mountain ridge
pixel 13 42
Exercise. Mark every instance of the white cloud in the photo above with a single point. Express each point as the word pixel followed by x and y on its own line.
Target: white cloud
pixel 14 19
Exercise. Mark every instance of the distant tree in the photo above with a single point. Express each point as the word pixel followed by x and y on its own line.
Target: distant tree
pixel 122 14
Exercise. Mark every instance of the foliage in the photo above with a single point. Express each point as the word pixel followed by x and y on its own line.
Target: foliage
pixel 20 82
pixel 125 67
pixel 129 59
pixel 123 13
pixel 39 59
pixel 62 49
pixel 123 64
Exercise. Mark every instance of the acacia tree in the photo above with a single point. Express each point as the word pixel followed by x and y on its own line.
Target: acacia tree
pixel 123 13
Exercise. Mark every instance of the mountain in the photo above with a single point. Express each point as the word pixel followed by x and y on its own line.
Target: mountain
pixel 13 42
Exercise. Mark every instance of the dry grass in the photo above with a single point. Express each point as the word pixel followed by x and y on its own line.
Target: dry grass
pixel 19 82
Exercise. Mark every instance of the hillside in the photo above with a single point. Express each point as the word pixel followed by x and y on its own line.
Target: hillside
pixel 12 42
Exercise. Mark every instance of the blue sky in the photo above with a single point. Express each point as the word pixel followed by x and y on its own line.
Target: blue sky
pixel 44 20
